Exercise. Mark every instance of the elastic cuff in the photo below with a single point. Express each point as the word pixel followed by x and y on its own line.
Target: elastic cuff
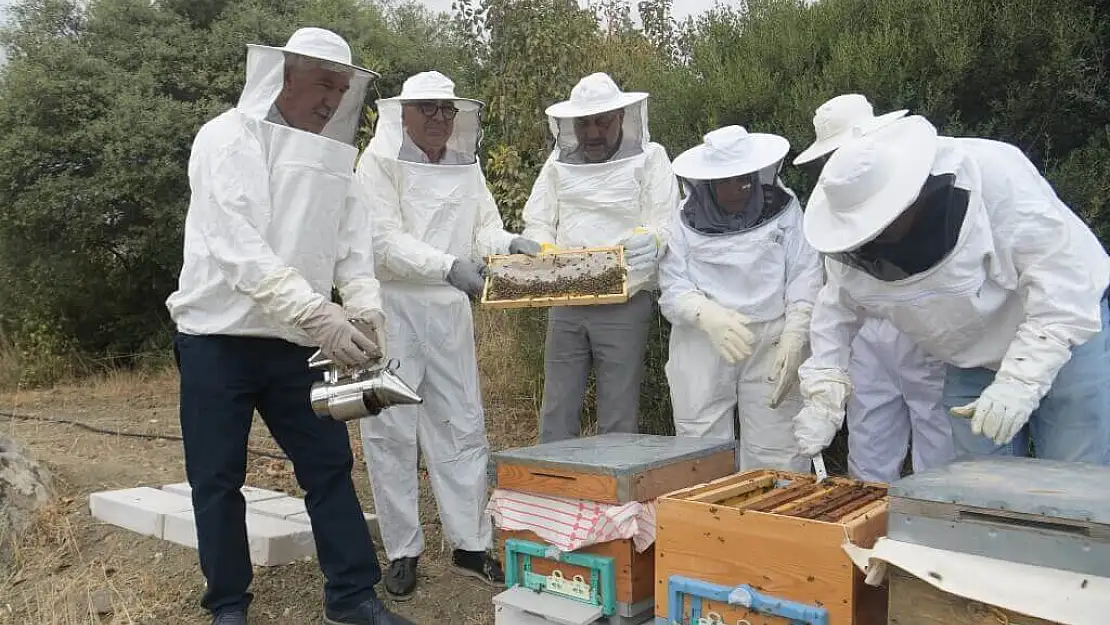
pixel 361 295
pixel 286 296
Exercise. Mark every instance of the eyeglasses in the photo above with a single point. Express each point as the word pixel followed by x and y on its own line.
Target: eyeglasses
pixel 429 109
pixel 603 121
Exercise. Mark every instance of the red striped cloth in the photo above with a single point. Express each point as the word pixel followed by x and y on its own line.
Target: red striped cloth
pixel 570 524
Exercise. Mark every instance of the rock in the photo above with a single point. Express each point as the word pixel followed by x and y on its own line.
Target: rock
pixel 25 487
pixel 100 601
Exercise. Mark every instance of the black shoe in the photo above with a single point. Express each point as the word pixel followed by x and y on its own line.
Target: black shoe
pixel 369 612
pixel 479 565
pixel 230 616
pixel 400 579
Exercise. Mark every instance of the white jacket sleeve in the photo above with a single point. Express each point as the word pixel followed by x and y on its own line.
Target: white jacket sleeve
pixel 1062 268
pixel 234 177
pixel 677 291
pixel 541 212
pixel 490 236
pixel 805 274
pixel 404 255
pixel 660 194
pixel 354 270
pixel 834 324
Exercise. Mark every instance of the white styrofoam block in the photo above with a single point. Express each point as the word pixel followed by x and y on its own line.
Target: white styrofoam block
pixel 521 606
pixel 281 507
pixel 250 493
pixel 140 509
pixel 272 541
pixel 371 522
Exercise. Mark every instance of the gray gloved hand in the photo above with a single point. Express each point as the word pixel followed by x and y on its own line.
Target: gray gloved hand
pixel 337 337
pixel 372 324
pixel 528 247
pixel 467 276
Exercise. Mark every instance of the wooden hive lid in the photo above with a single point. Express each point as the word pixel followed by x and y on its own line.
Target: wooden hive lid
pixel 615 454
pixel 1062 490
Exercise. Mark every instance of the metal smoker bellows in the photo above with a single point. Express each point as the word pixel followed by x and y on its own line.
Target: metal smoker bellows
pixel 347 394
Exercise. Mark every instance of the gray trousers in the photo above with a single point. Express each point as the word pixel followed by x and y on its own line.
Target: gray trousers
pixel 612 337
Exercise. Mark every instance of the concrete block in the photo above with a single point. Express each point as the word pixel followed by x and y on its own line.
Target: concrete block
pixel 272 541
pixel 140 509
pixel 250 493
pixel 280 507
pixel 371 523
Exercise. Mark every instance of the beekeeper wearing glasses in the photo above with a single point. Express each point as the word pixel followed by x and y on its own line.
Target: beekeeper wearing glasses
pixel 434 220
pixel 275 222
pixel 897 388
pixel 605 183
pixel 965 247
pixel 738 284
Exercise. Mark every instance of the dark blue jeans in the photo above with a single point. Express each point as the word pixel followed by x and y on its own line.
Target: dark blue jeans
pixel 223 380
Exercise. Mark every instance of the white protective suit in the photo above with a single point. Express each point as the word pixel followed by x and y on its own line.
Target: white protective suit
pixel 897 388
pixel 425 216
pixel 267 235
pixel 575 204
pixel 1020 286
pixel 761 268
pixel 897 395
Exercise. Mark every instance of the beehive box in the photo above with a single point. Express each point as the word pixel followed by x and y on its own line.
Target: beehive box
pixel 614 468
pixel 581 277
pixel 1026 510
pixel 781 533
pixel 635 572
pixel 914 602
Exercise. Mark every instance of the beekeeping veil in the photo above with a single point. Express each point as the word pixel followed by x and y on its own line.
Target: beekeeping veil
pixel 743 165
pixel 883 206
pixel 429 118
pixel 309 84
pixel 599 123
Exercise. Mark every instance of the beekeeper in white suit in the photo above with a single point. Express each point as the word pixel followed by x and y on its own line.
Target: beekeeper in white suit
pixel 738 284
pixel 897 388
pixel 434 219
pixel 274 222
pixel 605 183
pixel 966 248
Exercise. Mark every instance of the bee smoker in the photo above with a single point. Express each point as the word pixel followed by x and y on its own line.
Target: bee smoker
pixel 349 393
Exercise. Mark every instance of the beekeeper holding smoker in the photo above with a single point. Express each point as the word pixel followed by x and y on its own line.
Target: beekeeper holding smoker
pixel 274 222
pixel 965 247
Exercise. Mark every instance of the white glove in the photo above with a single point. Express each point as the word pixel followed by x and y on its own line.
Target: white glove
pixel 816 424
pixel 814 430
pixel 1001 410
pixel 372 324
pixel 727 330
pixel 642 251
pixel 784 371
pixel 791 351
pixel 337 337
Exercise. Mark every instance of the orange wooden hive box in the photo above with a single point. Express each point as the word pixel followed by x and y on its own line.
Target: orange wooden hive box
pixel 613 469
pixel 779 533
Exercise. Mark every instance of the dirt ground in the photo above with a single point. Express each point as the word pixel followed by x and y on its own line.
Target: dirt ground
pixel 69 566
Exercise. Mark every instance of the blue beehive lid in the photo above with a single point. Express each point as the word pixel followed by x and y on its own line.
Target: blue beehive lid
pixel 1062 490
